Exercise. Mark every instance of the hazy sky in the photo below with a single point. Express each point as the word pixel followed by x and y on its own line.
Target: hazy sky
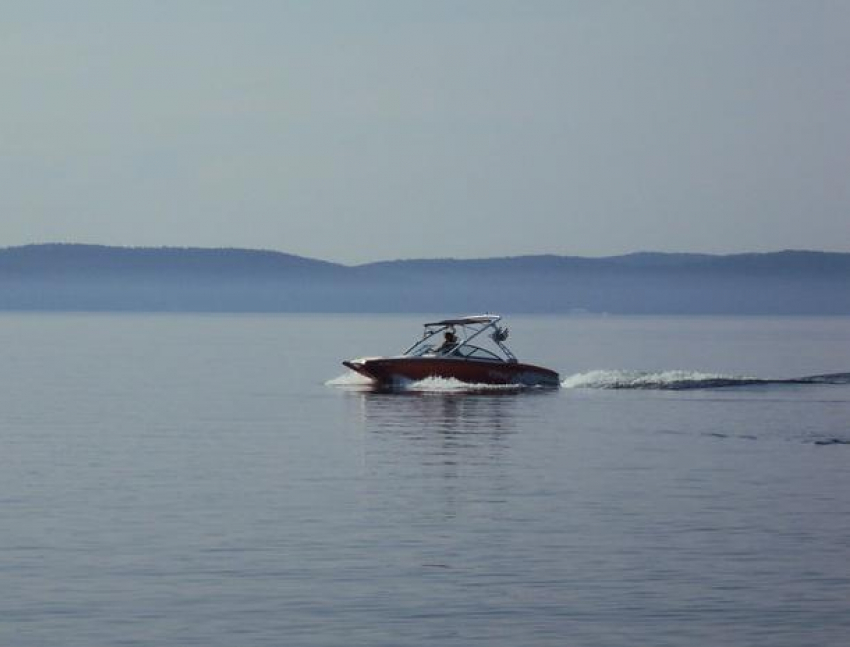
pixel 374 129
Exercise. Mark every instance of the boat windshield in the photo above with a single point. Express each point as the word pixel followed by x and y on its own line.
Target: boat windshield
pixel 422 349
pixel 474 352
pixel 462 350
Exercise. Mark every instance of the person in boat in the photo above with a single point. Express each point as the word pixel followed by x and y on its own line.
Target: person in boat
pixel 449 341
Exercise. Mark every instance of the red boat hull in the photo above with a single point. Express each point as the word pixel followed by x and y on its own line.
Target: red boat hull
pixel 393 370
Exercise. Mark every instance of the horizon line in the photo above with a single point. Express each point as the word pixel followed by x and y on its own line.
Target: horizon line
pixel 417 259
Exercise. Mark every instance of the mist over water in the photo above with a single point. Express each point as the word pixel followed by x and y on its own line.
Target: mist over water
pixel 220 480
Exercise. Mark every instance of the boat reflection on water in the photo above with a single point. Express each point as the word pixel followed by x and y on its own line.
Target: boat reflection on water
pixel 462 420
pixel 447 413
pixel 441 405
pixel 444 454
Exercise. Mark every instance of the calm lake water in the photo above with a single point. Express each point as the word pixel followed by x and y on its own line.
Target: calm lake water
pixel 195 480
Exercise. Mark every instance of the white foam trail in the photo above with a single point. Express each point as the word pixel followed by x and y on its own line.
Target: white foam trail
pixel 349 379
pixel 428 385
pixel 599 379
pixel 447 384
pixel 653 380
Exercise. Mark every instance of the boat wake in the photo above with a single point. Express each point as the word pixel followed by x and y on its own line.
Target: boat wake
pixel 682 380
pixel 356 381
pixel 600 379
pixel 450 385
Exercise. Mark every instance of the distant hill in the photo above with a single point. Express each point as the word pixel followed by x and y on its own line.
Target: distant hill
pixel 99 261
pixel 100 278
pixel 788 260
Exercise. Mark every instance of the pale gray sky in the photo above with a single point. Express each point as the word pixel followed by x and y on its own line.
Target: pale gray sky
pixel 375 129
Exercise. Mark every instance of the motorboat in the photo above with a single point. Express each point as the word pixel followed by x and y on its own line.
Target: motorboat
pixel 446 350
